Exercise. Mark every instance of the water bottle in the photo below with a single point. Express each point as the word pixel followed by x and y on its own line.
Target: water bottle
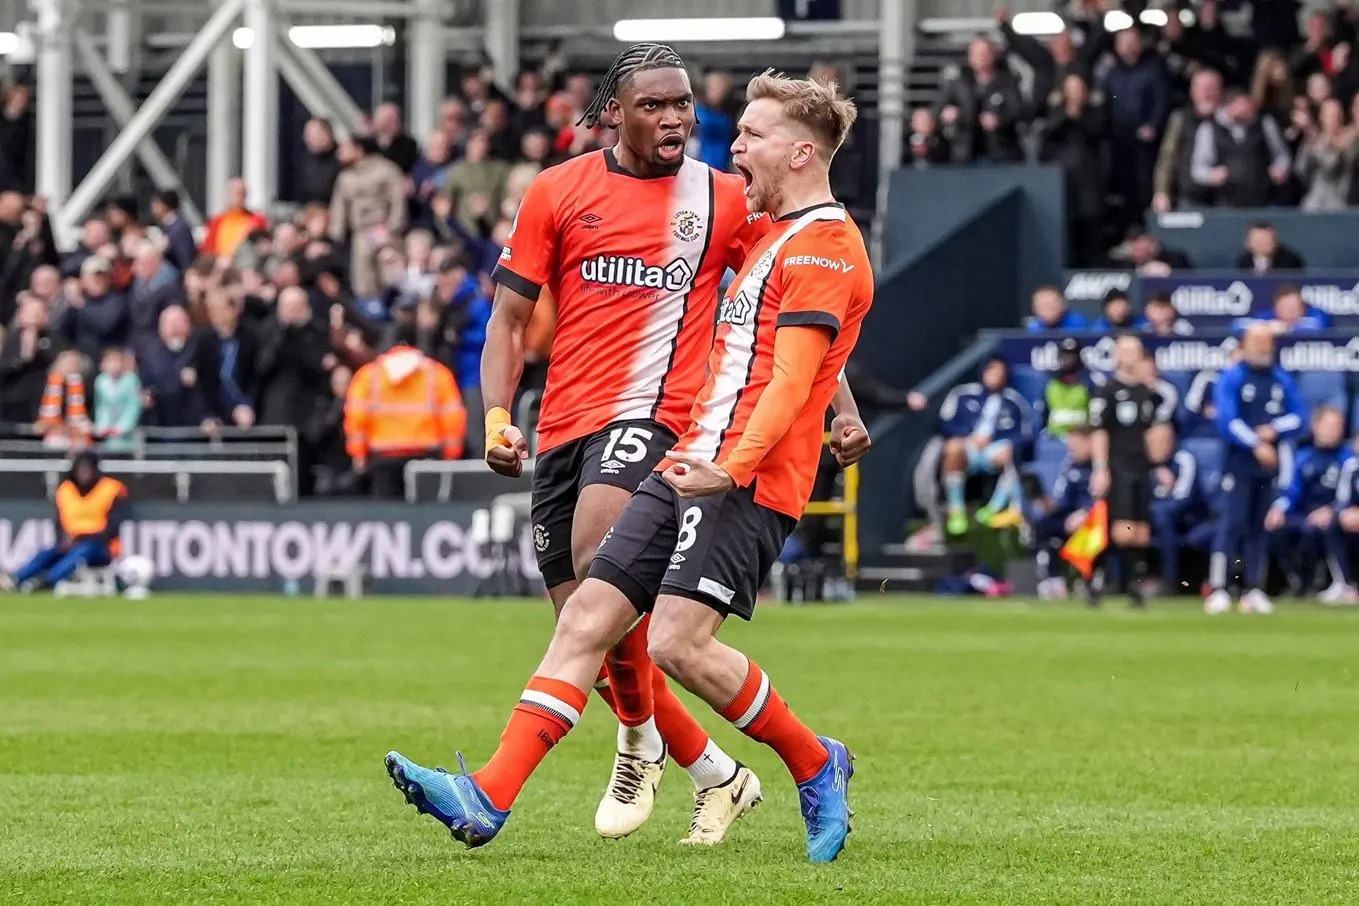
pixel 292 588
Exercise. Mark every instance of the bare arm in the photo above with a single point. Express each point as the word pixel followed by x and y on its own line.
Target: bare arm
pixel 502 358
pixel 502 364
pixel 843 402
pixel 849 439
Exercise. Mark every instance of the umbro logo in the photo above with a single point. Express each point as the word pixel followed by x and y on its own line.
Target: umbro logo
pixel 612 466
pixel 676 559
pixel 590 220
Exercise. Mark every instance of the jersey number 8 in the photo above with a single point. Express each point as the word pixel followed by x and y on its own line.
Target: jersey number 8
pixel 628 444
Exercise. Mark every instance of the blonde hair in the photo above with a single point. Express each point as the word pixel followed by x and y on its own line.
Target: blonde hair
pixel 815 104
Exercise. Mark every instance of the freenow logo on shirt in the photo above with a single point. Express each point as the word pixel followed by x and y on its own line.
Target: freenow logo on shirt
pixel 839 265
pixel 619 270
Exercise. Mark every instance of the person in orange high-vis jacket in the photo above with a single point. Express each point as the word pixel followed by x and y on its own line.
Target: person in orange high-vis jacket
pixel 91 509
pixel 402 406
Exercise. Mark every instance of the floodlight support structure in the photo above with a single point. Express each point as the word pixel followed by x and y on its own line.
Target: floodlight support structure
pixel 121 108
pixel 898 21
pixel 180 74
pixel 54 115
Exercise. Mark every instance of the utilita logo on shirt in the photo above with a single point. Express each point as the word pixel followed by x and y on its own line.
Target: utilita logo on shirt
pixel 617 270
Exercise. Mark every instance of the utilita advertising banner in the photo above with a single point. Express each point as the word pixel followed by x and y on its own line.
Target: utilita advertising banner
pixel 1216 298
pixel 1297 352
pixel 403 549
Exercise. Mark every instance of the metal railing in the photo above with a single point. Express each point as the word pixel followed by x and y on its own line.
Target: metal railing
pixel 182 470
pixel 268 444
pixel 447 470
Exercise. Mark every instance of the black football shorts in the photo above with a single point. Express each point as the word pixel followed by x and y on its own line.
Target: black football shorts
pixel 620 454
pixel 717 550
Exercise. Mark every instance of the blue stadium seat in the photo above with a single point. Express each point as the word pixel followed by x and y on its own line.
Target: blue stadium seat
pixel 1322 388
pixel 1049 450
pixel 1208 452
pixel 1046 471
pixel 1029 382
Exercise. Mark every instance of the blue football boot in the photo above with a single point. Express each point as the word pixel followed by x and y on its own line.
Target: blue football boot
pixel 454 799
pixel 825 803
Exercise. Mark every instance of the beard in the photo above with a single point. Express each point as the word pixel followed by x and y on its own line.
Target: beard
pixel 764 198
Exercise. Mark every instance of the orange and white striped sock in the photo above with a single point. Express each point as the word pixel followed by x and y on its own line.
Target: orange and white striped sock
pixel 547 710
pixel 759 712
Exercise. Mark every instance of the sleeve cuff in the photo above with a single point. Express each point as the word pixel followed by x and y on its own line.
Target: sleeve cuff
pixel 521 285
pixel 810 319
pixel 739 473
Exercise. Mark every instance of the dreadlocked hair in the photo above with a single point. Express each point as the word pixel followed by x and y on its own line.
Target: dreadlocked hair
pixel 637 58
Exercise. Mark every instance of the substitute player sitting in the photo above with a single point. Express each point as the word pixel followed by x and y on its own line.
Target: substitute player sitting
pixel 697 539
pixel 632 242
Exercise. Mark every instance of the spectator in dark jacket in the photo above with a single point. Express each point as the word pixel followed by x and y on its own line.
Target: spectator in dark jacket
pixel 322 166
pixel 1264 252
pixel 1138 93
pixel 393 142
pixel 925 147
pixel 178 375
pixel 180 248
pixel 235 349
pixel 1073 136
pixel 1051 64
pixel 18 139
pixel 1207 43
pixel 979 108
pixel 1174 182
pixel 97 315
pixel 94 235
pixel 155 287
pixel 1240 154
pixel 293 361
pixel 27 355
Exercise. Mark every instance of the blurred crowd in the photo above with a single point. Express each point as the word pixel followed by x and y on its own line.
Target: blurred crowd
pixel 1184 114
pixel 266 320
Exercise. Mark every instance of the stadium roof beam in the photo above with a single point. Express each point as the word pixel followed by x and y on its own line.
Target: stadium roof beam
pixel 337 103
pixel 425 67
pixel 224 120
pixel 259 110
pixel 894 54
pixel 502 38
pixel 55 125
pixel 312 97
pixel 87 194
pixel 121 108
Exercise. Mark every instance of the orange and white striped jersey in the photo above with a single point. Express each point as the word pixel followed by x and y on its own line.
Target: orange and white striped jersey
pixel 811 269
pixel 634 266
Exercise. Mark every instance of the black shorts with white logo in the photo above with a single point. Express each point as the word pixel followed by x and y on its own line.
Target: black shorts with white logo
pixel 717 550
pixel 1130 493
pixel 620 454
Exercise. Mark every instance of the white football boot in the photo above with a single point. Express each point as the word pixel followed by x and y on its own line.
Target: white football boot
pixel 1339 595
pixel 630 796
pixel 717 807
pixel 1256 601
pixel 1218 602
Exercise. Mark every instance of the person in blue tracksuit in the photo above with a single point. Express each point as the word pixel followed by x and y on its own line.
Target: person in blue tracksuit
pixel 1055 517
pixel 983 425
pixel 1180 516
pixel 1199 418
pixel 1302 522
pixel 1347 517
pixel 1258 407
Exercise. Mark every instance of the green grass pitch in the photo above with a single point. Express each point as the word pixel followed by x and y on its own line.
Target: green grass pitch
pixel 209 749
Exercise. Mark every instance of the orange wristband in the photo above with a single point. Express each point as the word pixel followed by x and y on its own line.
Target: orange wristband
pixel 497 420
